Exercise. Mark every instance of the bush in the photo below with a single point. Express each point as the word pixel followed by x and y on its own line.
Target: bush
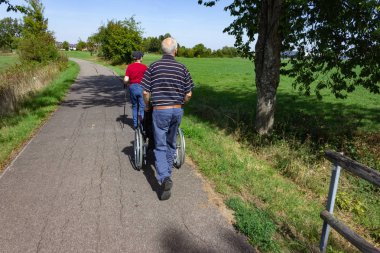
pixel 38 48
pixel 118 39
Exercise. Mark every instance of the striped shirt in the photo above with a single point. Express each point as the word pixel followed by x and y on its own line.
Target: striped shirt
pixel 168 81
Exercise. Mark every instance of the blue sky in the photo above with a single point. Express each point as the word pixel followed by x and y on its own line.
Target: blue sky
pixel 185 20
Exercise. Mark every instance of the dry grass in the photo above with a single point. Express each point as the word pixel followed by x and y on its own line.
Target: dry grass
pixel 20 81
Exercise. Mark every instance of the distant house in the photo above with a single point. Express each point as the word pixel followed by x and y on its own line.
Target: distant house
pixel 73 47
pixel 289 54
pixel 58 44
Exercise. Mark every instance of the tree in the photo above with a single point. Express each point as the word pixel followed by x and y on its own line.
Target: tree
pixel 37 43
pixel 66 45
pixel 162 37
pixel 201 51
pixel 81 45
pixel 91 44
pixel 10 31
pixel 118 39
pixel 337 44
pixel 152 45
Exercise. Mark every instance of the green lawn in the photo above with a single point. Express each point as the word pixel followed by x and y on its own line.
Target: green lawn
pixel 284 176
pixel 7 60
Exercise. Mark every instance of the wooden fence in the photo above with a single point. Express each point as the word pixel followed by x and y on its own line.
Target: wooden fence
pixel 340 161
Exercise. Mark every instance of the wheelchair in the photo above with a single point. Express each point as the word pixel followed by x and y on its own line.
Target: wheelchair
pixel 144 132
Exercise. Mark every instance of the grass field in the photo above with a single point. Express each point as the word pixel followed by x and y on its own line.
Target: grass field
pixel 282 179
pixel 7 60
pixel 17 128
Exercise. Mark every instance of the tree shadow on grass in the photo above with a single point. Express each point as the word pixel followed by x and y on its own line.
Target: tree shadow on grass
pixel 297 117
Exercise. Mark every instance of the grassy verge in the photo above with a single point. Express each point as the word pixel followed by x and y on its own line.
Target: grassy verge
pixel 284 177
pixel 7 60
pixel 17 128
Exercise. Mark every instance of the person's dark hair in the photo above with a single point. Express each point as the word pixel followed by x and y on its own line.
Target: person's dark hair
pixel 137 55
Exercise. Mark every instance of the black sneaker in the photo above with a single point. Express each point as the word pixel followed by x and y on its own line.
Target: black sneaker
pixel 165 188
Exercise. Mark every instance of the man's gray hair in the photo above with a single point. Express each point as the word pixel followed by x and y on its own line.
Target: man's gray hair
pixel 169 45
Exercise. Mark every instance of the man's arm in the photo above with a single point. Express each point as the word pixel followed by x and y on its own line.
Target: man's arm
pixel 146 99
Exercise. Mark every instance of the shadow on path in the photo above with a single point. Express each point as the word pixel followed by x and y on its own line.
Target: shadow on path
pixel 174 240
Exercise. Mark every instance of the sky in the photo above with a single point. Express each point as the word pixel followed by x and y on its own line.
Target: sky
pixel 185 20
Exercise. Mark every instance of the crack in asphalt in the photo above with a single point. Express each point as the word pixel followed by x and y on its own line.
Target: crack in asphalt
pixel 63 230
pixel 195 235
pixel 101 177
pixel 66 157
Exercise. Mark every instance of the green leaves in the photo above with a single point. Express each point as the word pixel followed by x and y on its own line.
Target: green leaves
pixel 10 30
pixel 37 42
pixel 337 41
pixel 12 7
pixel 118 39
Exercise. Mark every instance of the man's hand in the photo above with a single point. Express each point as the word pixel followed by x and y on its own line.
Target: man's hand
pixel 126 80
pixel 188 97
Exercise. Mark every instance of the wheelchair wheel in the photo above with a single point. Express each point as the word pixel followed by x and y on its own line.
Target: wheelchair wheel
pixel 138 148
pixel 180 149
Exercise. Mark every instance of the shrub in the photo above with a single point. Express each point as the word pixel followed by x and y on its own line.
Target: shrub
pixel 38 47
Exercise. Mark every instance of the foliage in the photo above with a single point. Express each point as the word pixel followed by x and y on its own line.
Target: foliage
pixel 38 48
pixel 346 202
pixel 66 45
pixel 226 52
pixel 92 44
pixel 10 31
pixel 152 44
pixel 201 51
pixel 118 39
pixel 37 43
pixel 81 45
pixel 337 42
pixel 12 7
pixel 34 21
pixel 255 224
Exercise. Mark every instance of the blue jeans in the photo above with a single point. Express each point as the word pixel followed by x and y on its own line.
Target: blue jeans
pixel 165 126
pixel 136 95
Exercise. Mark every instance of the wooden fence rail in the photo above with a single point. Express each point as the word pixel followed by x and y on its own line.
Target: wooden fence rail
pixel 340 161
pixel 354 167
pixel 347 233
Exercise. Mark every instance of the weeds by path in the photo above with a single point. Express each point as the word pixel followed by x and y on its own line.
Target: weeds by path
pixel 17 128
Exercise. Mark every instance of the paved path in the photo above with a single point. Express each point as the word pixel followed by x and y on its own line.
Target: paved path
pixel 73 188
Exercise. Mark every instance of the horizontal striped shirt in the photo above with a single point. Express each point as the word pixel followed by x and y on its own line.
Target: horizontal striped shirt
pixel 168 81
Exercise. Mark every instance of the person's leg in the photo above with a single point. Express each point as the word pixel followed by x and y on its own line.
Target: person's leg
pixel 132 92
pixel 171 137
pixel 140 100
pixel 161 121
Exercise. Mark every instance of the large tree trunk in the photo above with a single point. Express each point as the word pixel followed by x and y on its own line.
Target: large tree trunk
pixel 267 64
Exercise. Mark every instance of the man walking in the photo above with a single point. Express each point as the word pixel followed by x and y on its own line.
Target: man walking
pixel 168 84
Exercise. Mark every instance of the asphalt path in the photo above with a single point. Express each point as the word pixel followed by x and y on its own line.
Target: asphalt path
pixel 73 187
